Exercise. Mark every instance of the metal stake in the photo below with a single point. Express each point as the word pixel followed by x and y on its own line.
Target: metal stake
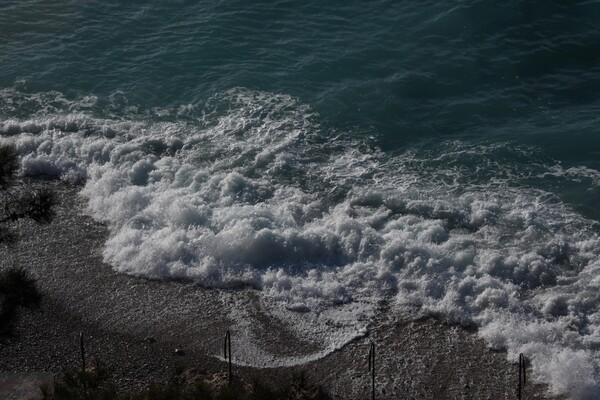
pixel 522 366
pixel 227 352
pixel 372 367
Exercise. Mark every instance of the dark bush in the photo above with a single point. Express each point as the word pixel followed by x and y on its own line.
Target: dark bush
pixel 91 384
pixel 9 163
pixel 37 205
pixel 17 289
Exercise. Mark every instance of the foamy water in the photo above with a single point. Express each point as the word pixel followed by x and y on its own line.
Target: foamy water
pixel 247 189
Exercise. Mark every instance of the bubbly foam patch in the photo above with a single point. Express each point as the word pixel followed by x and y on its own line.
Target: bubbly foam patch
pixel 247 189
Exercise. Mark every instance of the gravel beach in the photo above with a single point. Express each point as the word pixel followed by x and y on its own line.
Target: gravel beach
pixel 135 325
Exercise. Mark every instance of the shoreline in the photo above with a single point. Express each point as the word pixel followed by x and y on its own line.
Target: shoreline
pixel 418 358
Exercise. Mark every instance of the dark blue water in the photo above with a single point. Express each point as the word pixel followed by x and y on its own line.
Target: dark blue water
pixel 403 71
pixel 481 119
pixel 400 69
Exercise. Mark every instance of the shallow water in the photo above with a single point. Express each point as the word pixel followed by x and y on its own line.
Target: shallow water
pixel 441 158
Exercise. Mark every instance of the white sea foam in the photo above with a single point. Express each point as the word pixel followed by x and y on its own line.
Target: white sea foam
pixel 248 190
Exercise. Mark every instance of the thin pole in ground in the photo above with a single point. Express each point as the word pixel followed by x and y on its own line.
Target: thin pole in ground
pixel 372 368
pixel 227 352
pixel 522 374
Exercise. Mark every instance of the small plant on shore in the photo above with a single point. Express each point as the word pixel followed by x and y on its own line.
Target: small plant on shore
pixel 91 384
pixel 37 205
pixel 9 163
pixel 17 290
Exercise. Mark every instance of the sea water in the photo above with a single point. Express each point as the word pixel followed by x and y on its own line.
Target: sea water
pixel 438 157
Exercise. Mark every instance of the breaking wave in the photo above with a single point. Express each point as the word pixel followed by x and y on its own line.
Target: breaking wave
pixel 246 189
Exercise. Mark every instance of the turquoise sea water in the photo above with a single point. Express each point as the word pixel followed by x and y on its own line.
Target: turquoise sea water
pixel 439 155
pixel 403 72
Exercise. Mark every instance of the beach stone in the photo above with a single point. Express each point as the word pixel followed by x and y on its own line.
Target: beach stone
pixel 150 339
pixel 179 352
pixel 26 386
